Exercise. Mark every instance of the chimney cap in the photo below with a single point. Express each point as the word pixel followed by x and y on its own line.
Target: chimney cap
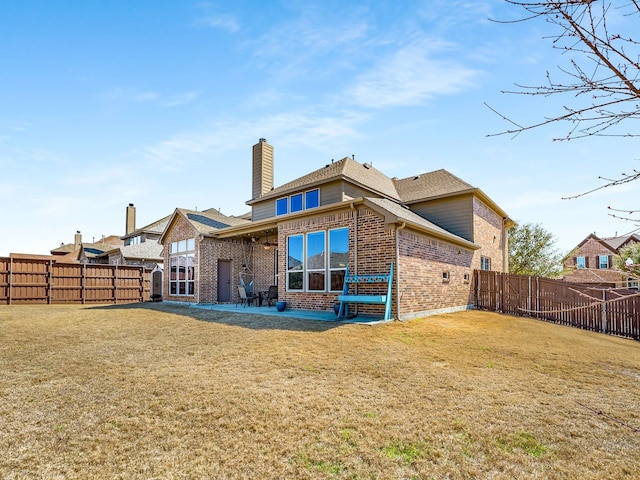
pixel 131 204
pixel 262 140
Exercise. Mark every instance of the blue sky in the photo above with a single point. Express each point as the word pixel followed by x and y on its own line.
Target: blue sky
pixel 158 103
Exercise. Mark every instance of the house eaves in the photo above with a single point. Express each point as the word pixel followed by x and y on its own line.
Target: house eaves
pixel 392 212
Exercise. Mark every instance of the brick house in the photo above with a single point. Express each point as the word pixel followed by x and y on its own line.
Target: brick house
pixel 591 262
pixel 300 236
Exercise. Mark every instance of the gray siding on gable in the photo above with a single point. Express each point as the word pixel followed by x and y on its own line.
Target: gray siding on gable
pixel 330 193
pixel 262 210
pixel 452 214
pixel 352 191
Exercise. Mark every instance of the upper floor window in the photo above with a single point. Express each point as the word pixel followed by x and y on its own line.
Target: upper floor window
pixel 312 199
pixel 282 206
pixel 298 202
pixel 135 240
pixel 485 263
pixel 581 262
pixel 603 261
pixel 632 283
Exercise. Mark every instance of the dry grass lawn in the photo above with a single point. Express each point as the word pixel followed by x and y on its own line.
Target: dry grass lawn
pixel 153 391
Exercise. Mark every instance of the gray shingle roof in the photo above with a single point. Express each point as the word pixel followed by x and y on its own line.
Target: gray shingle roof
pixel 616 242
pixel 348 169
pixel 438 183
pixel 150 250
pixel 208 220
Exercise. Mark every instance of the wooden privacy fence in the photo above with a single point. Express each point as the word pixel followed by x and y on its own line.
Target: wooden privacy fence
pixel 28 280
pixel 611 311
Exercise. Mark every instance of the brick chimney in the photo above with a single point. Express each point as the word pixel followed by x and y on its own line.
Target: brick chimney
pixel 130 223
pixel 77 240
pixel 262 168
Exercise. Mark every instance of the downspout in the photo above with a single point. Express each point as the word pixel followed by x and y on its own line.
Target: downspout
pixel 397 272
pixel 200 239
pixel 505 247
pixel 355 238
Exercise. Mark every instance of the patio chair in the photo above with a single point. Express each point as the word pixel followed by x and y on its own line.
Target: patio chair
pixel 244 298
pixel 272 295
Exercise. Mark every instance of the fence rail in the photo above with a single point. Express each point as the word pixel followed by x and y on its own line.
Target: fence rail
pixel 29 281
pixel 611 311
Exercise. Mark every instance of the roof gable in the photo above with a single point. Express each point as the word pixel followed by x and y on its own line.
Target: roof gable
pixel 204 222
pixel 364 175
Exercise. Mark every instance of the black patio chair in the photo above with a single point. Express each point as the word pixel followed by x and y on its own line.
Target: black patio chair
pixel 272 295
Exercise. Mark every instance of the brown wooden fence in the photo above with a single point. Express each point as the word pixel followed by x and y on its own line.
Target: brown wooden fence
pixel 611 311
pixel 28 280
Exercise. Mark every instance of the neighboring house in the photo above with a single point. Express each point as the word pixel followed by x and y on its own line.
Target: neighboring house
pixel 300 236
pixel 591 262
pixel 83 252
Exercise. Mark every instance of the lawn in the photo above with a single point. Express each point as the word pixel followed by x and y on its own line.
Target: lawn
pixel 157 391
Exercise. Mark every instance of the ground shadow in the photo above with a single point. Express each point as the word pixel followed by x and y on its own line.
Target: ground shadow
pixel 243 318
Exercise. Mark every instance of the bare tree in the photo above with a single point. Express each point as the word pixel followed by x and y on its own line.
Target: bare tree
pixel 602 74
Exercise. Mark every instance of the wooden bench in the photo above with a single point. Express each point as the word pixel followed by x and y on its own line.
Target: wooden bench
pixel 385 300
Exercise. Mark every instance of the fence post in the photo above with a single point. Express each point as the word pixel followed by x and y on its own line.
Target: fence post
pixel 604 311
pixel 10 279
pixel 529 293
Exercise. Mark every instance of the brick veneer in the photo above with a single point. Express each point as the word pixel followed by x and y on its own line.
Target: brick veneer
pixel 489 233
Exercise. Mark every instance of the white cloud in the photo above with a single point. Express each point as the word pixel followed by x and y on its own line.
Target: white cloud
pixel 411 76
pixel 221 21
pixel 180 99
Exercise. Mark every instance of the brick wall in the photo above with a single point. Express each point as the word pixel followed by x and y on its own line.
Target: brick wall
pixel 258 261
pixel 490 235
pixel 422 285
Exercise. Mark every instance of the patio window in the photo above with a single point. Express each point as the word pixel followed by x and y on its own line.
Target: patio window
pixel 309 268
pixel 182 267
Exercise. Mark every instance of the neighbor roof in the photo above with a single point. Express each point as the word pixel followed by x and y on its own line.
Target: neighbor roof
pixel 616 242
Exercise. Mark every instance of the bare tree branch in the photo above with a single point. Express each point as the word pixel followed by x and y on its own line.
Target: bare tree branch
pixel 604 68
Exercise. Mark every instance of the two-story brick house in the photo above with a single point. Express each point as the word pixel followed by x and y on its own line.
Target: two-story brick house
pixel 591 262
pixel 300 236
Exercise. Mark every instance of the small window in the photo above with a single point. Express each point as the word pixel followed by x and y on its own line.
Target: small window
pixel 282 206
pixel 445 277
pixel 485 263
pixel 466 278
pixel 581 262
pixel 603 261
pixel 632 283
pixel 312 199
pixel 296 202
